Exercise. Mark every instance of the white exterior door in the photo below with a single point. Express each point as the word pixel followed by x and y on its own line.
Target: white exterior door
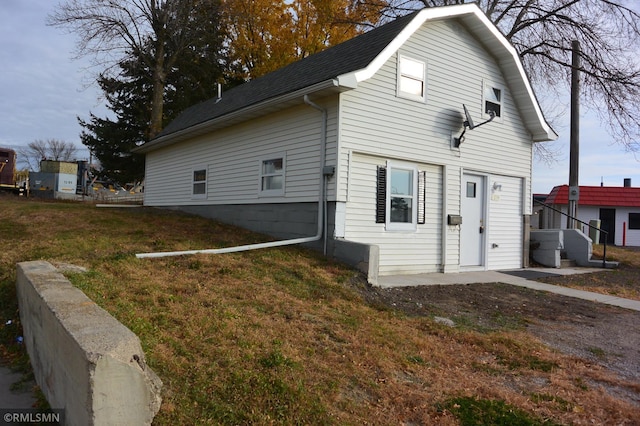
pixel 472 230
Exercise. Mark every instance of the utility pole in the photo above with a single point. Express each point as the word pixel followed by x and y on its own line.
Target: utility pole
pixel 574 154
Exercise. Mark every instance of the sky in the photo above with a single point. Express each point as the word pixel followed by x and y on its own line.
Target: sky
pixel 602 160
pixel 43 90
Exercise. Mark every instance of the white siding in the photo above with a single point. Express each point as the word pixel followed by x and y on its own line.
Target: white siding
pixel 375 122
pixel 453 188
pixel 233 156
pixel 372 125
pixel 400 252
pixel 588 213
pixel 373 119
pixel 505 226
pixel 622 223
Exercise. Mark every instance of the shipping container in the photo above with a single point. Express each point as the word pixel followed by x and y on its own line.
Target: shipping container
pixel 7 167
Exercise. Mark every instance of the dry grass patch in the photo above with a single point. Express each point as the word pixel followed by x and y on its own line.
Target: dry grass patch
pixel 279 336
pixel 623 281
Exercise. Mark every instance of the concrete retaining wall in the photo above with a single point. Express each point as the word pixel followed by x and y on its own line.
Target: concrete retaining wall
pixel 578 247
pixel 546 246
pixel 84 360
pixel 364 257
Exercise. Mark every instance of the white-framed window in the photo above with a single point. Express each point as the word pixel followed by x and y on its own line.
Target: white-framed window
pixel 492 100
pixel 199 182
pixel 411 78
pixel 401 193
pixel 272 175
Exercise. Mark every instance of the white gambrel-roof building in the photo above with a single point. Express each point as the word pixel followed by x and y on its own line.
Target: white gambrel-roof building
pixel 356 145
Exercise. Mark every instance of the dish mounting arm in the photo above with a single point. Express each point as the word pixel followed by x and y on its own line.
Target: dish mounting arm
pixel 468 123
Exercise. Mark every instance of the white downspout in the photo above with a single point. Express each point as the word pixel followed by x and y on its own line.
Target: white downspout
pixel 321 208
pixel 322 204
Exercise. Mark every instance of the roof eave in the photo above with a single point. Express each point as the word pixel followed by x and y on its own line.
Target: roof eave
pixel 470 14
pixel 427 14
pixel 247 113
pixel 517 79
pixel 545 135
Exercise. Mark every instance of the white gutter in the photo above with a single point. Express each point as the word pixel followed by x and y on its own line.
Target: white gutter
pixel 321 210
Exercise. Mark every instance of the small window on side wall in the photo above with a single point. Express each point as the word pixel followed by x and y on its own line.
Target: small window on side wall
pixel 199 183
pixel 411 78
pixel 634 220
pixel 272 175
pixel 492 100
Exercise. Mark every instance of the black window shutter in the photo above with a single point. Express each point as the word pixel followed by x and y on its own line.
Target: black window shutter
pixel 422 197
pixel 381 195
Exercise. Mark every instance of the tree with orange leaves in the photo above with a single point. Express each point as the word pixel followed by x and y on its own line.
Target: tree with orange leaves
pixel 265 35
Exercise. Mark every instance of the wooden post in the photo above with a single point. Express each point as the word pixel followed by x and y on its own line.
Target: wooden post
pixel 574 155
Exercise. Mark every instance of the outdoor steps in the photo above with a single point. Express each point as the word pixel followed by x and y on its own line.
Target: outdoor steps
pixel 564 248
pixel 565 262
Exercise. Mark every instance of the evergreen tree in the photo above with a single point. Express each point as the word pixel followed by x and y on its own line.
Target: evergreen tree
pixel 111 139
pixel 130 95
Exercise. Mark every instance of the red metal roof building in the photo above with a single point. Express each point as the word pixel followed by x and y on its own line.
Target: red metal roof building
pixel 617 208
pixel 605 196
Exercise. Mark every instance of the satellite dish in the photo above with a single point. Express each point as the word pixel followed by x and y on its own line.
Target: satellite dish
pixel 468 120
pixel 468 123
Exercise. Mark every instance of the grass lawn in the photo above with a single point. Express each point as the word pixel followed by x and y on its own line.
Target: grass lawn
pixel 279 336
pixel 623 281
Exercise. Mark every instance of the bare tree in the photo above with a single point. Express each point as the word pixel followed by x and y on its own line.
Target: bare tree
pixel 51 149
pixel 154 31
pixel 157 31
pixel 542 31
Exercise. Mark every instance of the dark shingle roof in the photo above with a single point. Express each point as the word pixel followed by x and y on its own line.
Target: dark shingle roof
pixel 318 73
pixel 354 54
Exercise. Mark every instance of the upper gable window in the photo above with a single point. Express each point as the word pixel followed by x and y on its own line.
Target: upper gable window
pixel 492 99
pixel 411 78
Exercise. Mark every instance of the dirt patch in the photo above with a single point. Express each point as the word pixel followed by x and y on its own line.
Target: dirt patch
pixel 602 334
